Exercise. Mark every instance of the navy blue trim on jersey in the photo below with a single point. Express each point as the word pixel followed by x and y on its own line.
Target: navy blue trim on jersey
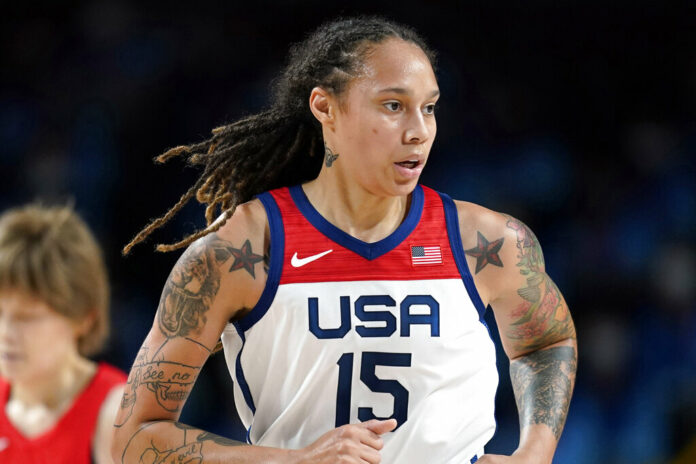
pixel 275 268
pixel 239 373
pixel 368 251
pixel 452 220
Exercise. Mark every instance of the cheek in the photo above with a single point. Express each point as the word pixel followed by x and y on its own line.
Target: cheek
pixel 43 347
pixel 381 135
pixel 49 342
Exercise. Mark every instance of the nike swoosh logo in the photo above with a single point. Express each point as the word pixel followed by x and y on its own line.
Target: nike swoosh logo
pixel 299 262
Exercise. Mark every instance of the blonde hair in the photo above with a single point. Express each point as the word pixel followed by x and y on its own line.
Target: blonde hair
pixel 50 253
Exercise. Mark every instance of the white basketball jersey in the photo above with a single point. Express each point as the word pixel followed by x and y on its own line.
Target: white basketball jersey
pixel 346 331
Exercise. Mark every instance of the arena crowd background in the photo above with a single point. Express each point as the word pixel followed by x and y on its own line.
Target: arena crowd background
pixel 576 117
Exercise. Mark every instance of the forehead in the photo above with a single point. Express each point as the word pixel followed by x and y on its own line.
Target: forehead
pixel 395 63
pixel 15 300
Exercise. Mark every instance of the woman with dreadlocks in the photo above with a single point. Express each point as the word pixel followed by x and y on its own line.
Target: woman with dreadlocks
pixel 348 298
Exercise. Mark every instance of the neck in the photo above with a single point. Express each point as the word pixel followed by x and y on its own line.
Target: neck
pixel 353 209
pixel 54 389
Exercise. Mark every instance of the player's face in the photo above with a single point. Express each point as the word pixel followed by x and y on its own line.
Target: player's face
pixel 385 126
pixel 35 340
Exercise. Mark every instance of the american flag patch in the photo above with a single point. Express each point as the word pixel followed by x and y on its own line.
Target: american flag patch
pixel 426 255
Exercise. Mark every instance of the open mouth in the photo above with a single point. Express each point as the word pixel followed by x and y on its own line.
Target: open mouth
pixel 408 164
pixel 10 357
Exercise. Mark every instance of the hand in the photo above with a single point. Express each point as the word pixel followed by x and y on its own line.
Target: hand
pixel 353 443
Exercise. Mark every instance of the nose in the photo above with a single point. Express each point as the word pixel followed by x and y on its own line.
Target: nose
pixel 417 131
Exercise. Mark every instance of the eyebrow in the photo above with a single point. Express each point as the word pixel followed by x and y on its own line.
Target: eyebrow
pixel 403 91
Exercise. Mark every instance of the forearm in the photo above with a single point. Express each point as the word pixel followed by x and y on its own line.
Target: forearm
pixel 543 383
pixel 169 441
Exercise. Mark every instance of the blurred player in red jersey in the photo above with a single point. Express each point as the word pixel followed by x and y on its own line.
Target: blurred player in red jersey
pixel 56 405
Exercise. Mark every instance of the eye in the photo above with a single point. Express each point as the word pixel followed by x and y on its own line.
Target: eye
pixel 25 318
pixel 429 109
pixel 393 106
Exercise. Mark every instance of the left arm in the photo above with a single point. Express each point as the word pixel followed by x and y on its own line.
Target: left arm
pixel 536 330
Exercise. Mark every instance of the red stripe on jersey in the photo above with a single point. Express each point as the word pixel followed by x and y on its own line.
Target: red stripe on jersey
pixel 310 256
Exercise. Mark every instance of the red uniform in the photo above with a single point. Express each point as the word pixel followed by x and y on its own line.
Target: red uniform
pixel 70 439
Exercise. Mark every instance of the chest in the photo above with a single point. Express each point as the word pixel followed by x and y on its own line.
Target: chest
pixel 32 420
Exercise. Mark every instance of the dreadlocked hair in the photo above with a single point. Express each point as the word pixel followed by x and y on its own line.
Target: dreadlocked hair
pixel 282 145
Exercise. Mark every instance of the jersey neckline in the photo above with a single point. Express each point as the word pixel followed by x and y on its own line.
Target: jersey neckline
pixel 369 251
pixel 61 421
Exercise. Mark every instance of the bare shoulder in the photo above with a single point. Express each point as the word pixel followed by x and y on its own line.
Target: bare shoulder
pixel 473 217
pixel 494 244
pixel 225 271
pixel 248 219
pixel 480 224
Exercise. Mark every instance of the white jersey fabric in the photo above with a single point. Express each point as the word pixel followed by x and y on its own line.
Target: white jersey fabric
pixel 346 331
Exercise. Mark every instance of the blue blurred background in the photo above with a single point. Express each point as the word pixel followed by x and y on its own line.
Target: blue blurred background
pixel 576 117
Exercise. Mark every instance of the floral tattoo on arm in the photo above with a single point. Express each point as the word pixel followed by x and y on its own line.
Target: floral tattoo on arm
pixel 542 316
pixel 543 378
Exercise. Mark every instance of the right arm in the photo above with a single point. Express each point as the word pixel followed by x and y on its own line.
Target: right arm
pixel 194 308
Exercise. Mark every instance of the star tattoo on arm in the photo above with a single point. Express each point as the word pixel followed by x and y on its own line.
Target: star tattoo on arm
pixel 244 258
pixel 486 252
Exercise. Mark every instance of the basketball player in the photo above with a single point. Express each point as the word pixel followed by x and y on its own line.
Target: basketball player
pixel 56 405
pixel 349 299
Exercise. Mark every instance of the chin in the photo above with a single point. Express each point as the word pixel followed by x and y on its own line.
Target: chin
pixel 25 371
pixel 10 373
pixel 405 188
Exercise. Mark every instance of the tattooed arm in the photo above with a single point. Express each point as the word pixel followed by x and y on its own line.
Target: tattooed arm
pixel 192 314
pixel 535 325
pixel 214 281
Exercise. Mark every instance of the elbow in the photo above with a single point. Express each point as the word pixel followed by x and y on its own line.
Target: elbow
pixel 123 436
pixel 118 444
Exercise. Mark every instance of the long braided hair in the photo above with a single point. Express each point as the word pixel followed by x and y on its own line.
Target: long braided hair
pixel 282 145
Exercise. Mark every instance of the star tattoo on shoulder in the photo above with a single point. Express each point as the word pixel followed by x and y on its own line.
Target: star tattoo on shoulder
pixel 486 252
pixel 244 258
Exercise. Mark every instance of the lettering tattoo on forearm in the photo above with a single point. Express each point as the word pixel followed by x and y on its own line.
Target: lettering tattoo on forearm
pixel 329 156
pixel 184 444
pixel 543 317
pixel 170 382
pixel 543 384
pixel 188 453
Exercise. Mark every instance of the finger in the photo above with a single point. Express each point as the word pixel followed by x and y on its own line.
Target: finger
pixel 371 456
pixel 371 439
pixel 380 426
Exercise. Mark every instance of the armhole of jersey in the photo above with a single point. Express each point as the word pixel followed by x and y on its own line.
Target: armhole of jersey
pixel 275 268
pixel 452 220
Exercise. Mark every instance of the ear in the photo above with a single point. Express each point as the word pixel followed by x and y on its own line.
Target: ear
pixel 323 106
pixel 84 326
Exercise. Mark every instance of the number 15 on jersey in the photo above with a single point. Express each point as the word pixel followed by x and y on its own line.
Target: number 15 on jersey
pixel 368 363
